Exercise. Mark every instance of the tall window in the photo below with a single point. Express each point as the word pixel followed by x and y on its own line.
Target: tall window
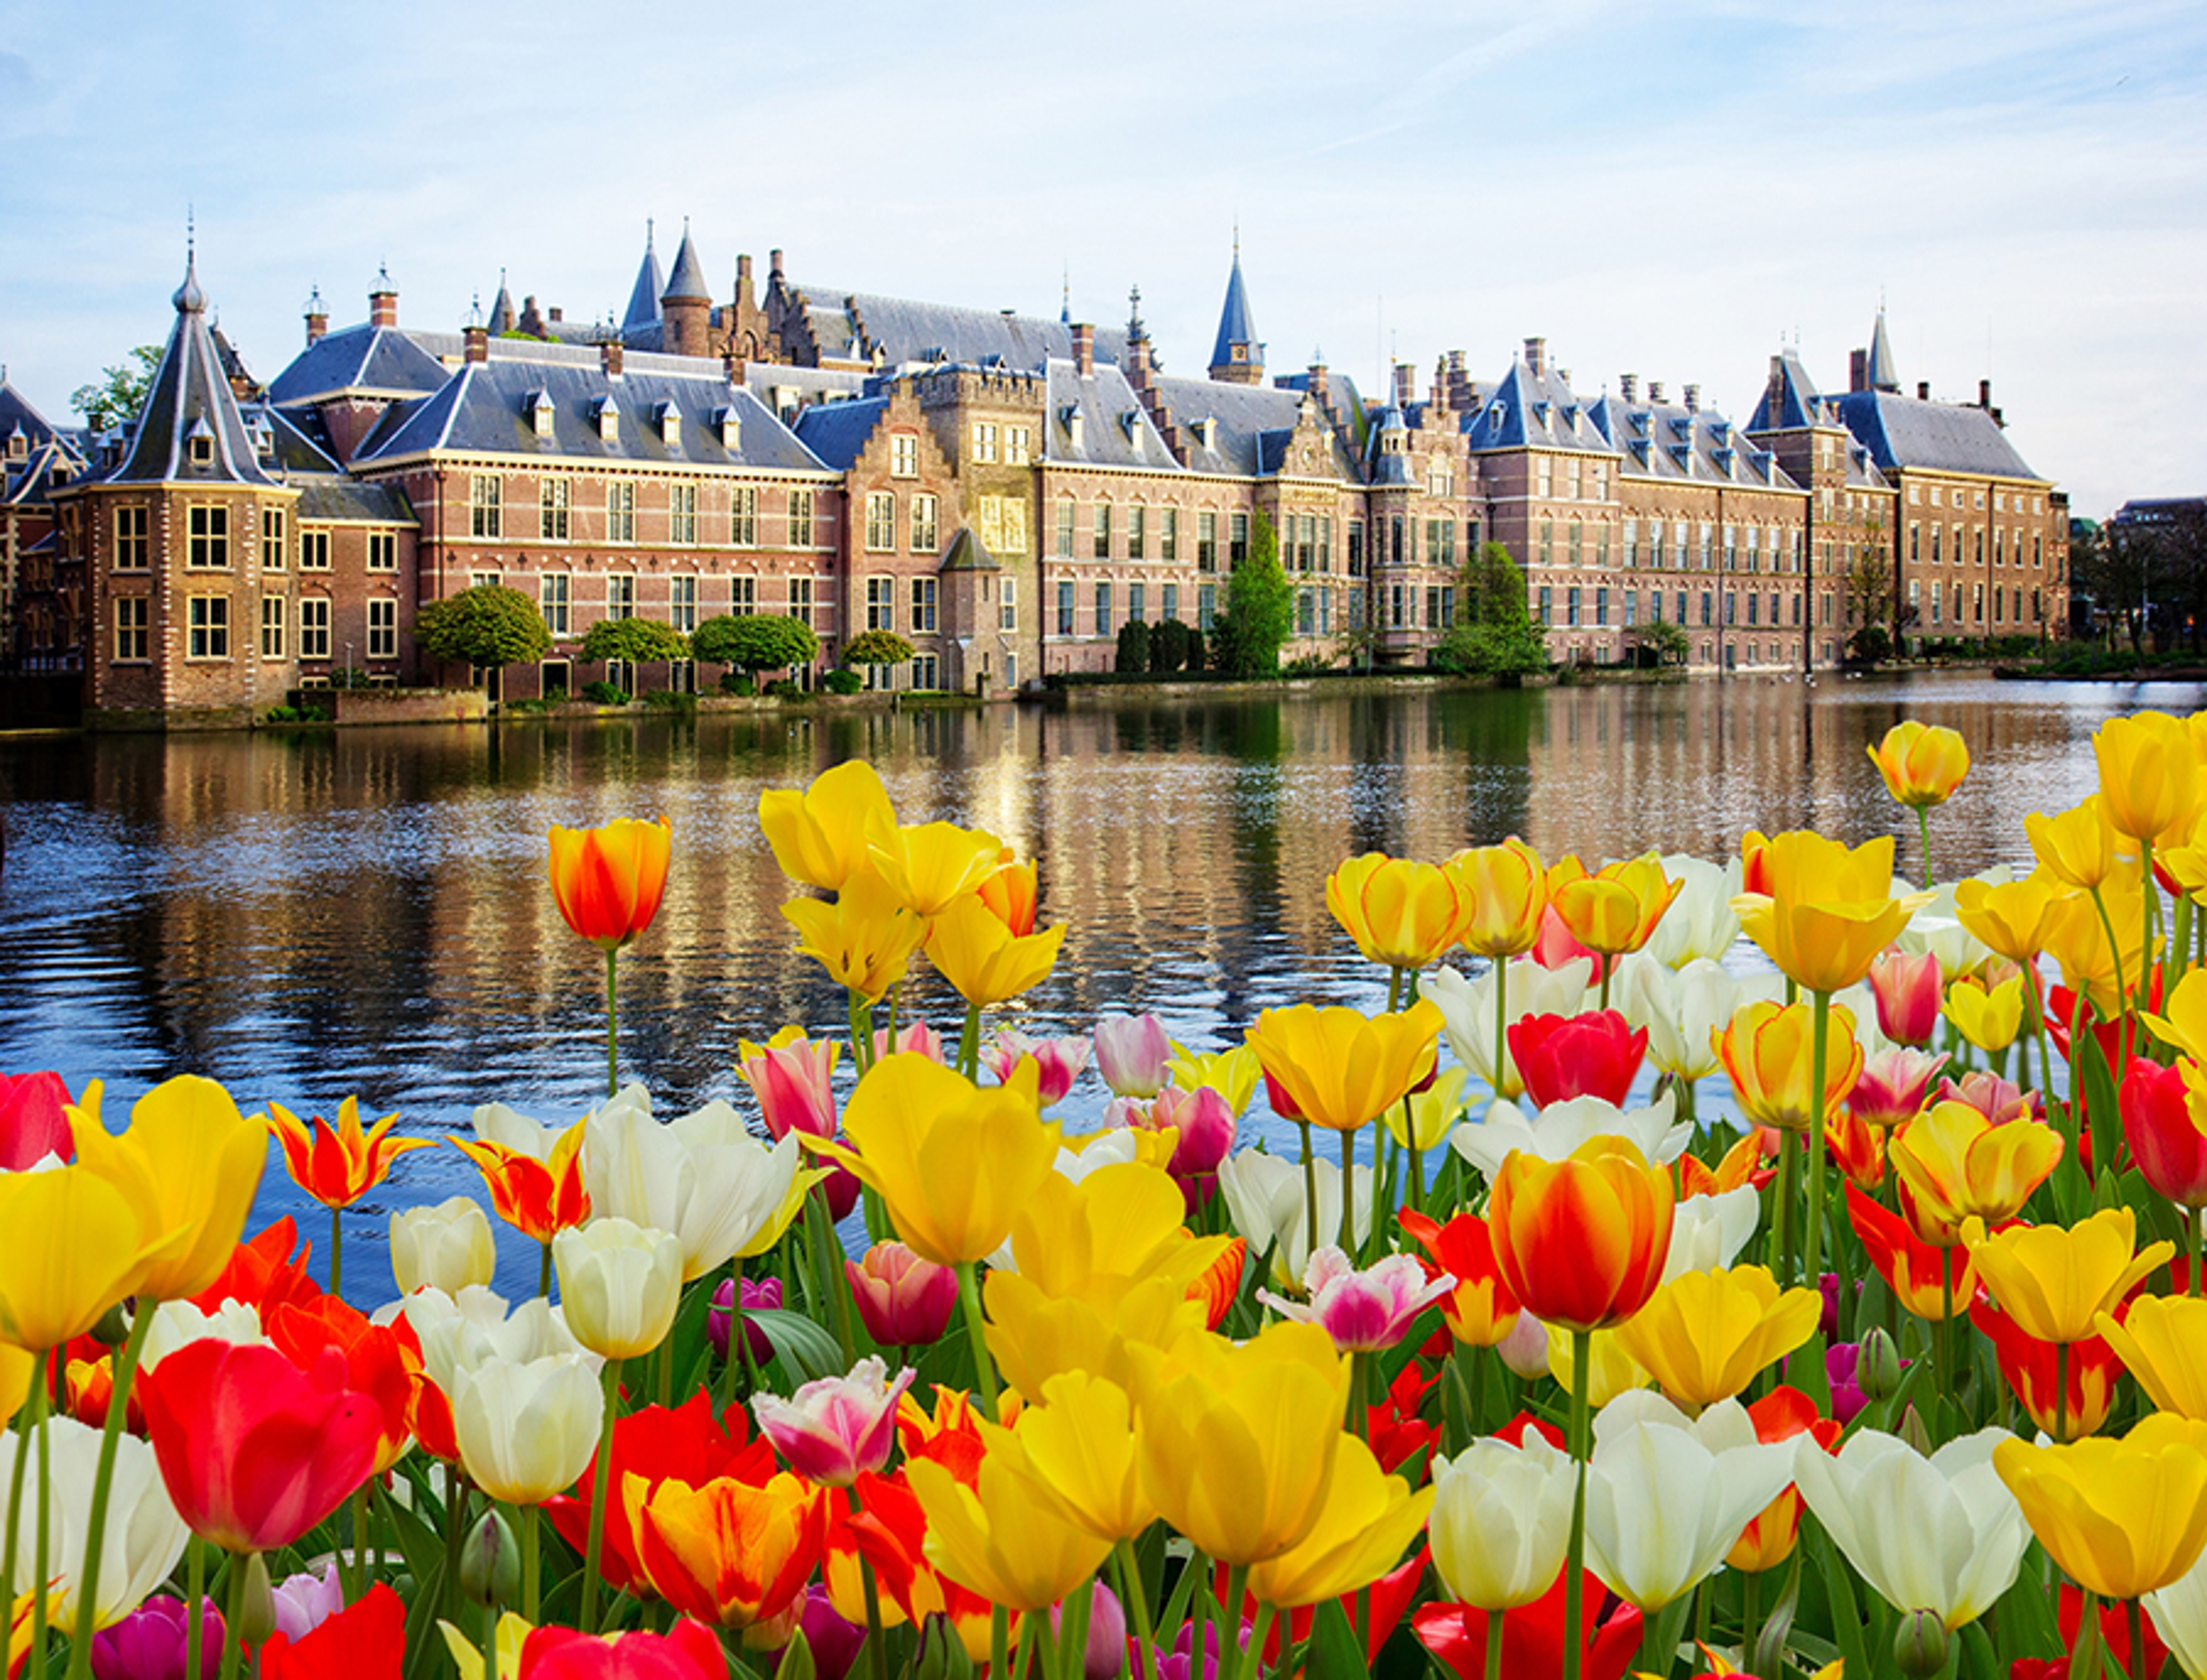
pixel 1168 534
pixel 1063 547
pixel 922 605
pixel 1138 532
pixel 881 603
pixel 551 497
pixel 1101 527
pixel 1356 548
pixel 133 546
pixel 209 527
pixel 743 516
pixel 133 626
pixel 1007 604
pixel 314 627
pixel 1325 554
pixel 925 533
pixel 800 518
pixel 682 604
pixel 1065 609
pixel 486 497
pixel 208 627
pixel 904 456
pixel 1171 600
pixel 620 513
pixel 273 545
pixel 682 515
pixel 984 442
pixel 1547 541
pixel 314 551
pixel 1102 609
pixel 383 551
pixel 271 626
pixel 1238 543
pixel 1019 446
pixel 800 598
pixel 1138 603
pixel 620 596
pixel 1206 542
pixel 880 522
pixel 383 629
pixel 1207 605
pixel 553 592
pixel 743 597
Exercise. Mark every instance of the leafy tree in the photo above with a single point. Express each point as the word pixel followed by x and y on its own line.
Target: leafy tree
pixel 1255 619
pixel 876 646
pixel 1168 645
pixel 121 392
pixel 633 642
pixel 1870 645
pixel 1133 647
pixel 1494 634
pixel 487 625
pixel 1867 588
pixel 754 642
pixel 1666 642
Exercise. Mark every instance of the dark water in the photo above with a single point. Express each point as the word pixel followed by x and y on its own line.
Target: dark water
pixel 308 918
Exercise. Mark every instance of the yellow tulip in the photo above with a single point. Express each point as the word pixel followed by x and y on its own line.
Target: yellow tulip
pixel 1001 1538
pixel 956 1164
pixel 1367 1523
pixel 820 836
pixel 2162 1340
pixel 1237 1442
pixel 1078 1447
pixel 1829 912
pixel 1121 1221
pixel 983 959
pixel 1111 1329
pixel 2077 938
pixel 2079 846
pixel 1922 763
pixel 1988 1020
pixel 1611 1370
pixel 75 1247
pixel 1767 1049
pixel 1433 1111
pixel 2010 918
pixel 1615 909
pixel 2148 778
pixel 929 866
pixel 2123 1517
pixel 1232 1073
pixel 1401 913
pixel 1705 1335
pixel 1954 1164
pixel 2055 1282
pixel 1502 890
pixel 864 938
pixel 189 1163
pixel 2183 1019
pixel 1341 1068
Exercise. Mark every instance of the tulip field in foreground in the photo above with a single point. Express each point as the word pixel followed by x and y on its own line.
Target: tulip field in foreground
pixel 1908 1377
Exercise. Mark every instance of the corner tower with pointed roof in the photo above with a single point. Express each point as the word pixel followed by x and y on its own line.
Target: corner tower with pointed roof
pixel 685 307
pixel 1237 358
pixel 644 297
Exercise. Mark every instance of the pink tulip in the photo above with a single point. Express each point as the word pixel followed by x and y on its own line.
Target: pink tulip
pixel 1557 946
pixel 1894 1086
pixel 917 1039
pixel 1998 1100
pixel 903 1301
pixel 1061 1060
pixel 833 1430
pixel 1205 1125
pixel 1907 989
pixel 32 1123
pixel 304 1601
pixel 795 1085
pixel 1132 1052
pixel 149 1643
pixel 1365 1310
pixel 1106 1653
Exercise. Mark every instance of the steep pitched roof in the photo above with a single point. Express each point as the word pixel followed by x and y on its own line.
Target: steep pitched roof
pixel 501 311
pixel 1530 410
pixel 1245 417
pixel 1884 371
pixel 688 280
pixel 966 553
pixel 1668 440
pixel 1235 324
pixel 837 432
pixel 16 414
pixel 189 399
pixel 1790 400
pixel 378 361
pixel 644 297
pixel 1114 431
pixel 1944 437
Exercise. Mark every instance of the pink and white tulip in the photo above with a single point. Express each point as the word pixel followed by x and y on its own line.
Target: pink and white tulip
pixel 832 1431
pixel 1894 1086
pixel 1132 1053
pixel 1061 1060
pixel 1908 989
pixel 794 1080
pixel 1364 1311
pixel 917 1038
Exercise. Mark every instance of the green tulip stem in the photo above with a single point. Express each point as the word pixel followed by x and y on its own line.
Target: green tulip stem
pixel 2134 1618
pixel 1417 1160
pixel 1134 1592
pixel 525 1521
pixel 40 1573
pixel 1750 1613
pixel 337 1251
pixel 1030 1634
pixel 862 1034
pixel 1923 828
pixel 15 1497
pixel 1000 1641
pixel 1494 1645
pixel 455 1529
pixel 2191 1251
pixel 195 1604
pixel 233 1621
pixel 1072 1630
pixel 2123 993
pixel 1501 1020
pixel 1581 1449
pixel 2084 1662
pixel 2180 946
pixel 984 1372
pixel 2151 893
pixel 1784 1234
pixel 1347 1234
pixel 1310 1192
pixel 102 1483
pixel 544 1273
pixel 1813 1232
pixel 613 1028
pixel 1230 1655
pixel 600 1491
pixel 1261 1632
pixel 489 1637
pixel 360 1566
pixel 827 1270
pixel 969 1044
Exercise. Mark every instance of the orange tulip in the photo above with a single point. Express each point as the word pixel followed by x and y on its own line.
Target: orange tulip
pixel 1923 764
pixel 1615 909
pixel 539 1199
pixel 608 882
pixel 1768 1539
pixel 1503 891
pixel 379 1363
pixel 1580 1242
pixel 1220 1282
pixel 337 1165
pixel 1766 1052
pixel 730 1554
pixel 1955 1164
pixel 1857 1147
pixel 1480 1310
pixel 1011 894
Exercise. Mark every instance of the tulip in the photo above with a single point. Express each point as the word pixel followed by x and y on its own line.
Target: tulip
pixel 2123 1517
pixel 378 1361
pixel 1339 1067
pixel 526 1431
pixel 1367 1520
pixel 757 1296
pixel 1907 991
pixel 929 866
pixel 1941 1534
pixel 2000 1101
pixel 1479 1309
pixel 458 1335
pixel 833 1430
pixel 2079 846
pixel 33 1121
pixel 1132 1053
pixel 1502 891
pixel 1122 1220
pixel 1955 1163
pixel 1928 1279
pixel 2055 1282
pixel 1609 1371
pixel 1512 990
pixel 254 1450
pixel 1830 911
pixel 1923 764
pixel 149 1643
pixel 1267 1200
pixel 903 1301
pixel 2010 918
pixel 1077 1450
pixel 1580 1242
pixel 1501 1521
pixel 1058 1060
pixel 1010 892
pixel 139 1542
pixel 1783 1414
pixel 533 1174
pixel 619 1283
pixel 2068 1388
pixel 1363 1312
pixel 793 1077
pixel 1679 1011
pixel 447 1247
pixel 1402 914
pixel 338 1165
pixel 1614 909
pixel 984 960
pixel 306 1600
pixel 368 1640
pixel 1699 925
pixel 608 882
pixel 2165 1124
pixel 1708 1231
pixel 2163 1342
pixel 1205 1125
pixel 1990 1018
pixel 1587 1055
pixel 703 1178
pixel 999 1537
pixel 1535 1640
pixel 1766 1051
pixel 1842 1371
pixel 75 1247
pixel 864 939
pixel 689 1653
pixel 1705 1335
pixel 2179 1613
pixel 1892 1086
pixel 2149 776
pixel 1559 1129
pixel 819 836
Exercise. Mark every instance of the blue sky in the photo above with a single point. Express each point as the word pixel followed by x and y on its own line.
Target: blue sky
pixel 1668 190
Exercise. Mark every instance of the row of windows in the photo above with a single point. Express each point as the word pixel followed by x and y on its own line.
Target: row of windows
pixel 1577 616
pixel 2006 604
pixel 206 527
pixel 1105 544
pixel 881 523
pixel 1013 445
pixel 2001 499
pixel 2000 548
pixel 881 600
pixel 802 524
pixel 1681 545
pixel 207 628
pixel 555 598
pixel 1104 598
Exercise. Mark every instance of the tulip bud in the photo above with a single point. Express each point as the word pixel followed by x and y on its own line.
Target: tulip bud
pixel 1106 1649
pixel 1525 1350
pixel 942 1652
pixel 1132 1052
pixel 449 1246
pixel 256 1617
pixel 1912 1430
pixel 490 1562
pixel 1877 1369
pixel 113 1330
pixel 1919 1643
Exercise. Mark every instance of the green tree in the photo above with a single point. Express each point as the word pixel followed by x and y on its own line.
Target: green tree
pixel 876 646
pixel 1168 645
pixel 1664 641
pixel 754 642
pixel 1258 611
pixel 633 642
pixel 487 625
pixel 1494 633
pixel 121 392
pixel 1134 653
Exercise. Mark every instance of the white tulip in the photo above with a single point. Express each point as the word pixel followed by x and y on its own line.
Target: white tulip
pixel 703 1177
pixel 460 1333
pixel 1667 1496
pixel 1501 1522
pixel 1708 1232
pixel 1936 927
pixel 1466 1009
pixel 1266 1199
pixel 142 1540
pixel 2179 1615
pixel 448 1246
pixel 619 1284
pixel 1561 1127
pixel 1941 1534
pixel 495 1123
pixel 178 1323
pixel 1700 924
pixel 526 1431
pixel 1525 1350
pixel 1679 1010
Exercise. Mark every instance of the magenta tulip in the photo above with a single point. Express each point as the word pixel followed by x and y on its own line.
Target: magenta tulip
pixel 903 1301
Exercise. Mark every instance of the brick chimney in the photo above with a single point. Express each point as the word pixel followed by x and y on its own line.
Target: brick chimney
pixel 477 339
pixel 1406 385
pixel 731 364
pixel 1318 380
pixel 383 302
pixel 1985 395
pixel 609 357
pixel 1858 370
pixel 1627 386
pixel 317 318
pixel 1693 399
pixel 1923 391
pixel 1536 355
pixel 774 262
pixel 1084 347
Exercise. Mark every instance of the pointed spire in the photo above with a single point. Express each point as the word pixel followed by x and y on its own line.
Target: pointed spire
pixel 687 281
pixel 1884 372
pixel 1135 331
pixel 1236 356
pixel 1064 305
pixel 644 297
pixel 502 309
pixel 189 299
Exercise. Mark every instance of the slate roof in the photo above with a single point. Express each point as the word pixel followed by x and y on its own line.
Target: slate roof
pixel 17 415
pixel 966 553
pixel 848 325
pixel 1944 437
pixel 1383 465
pixel 644 297
pixel 837 432
pixel 1342 400
pixel 1529 410
pixel 364 361
pixel 501 311
pixel 1254 422
pixel 1116 431
pixel 1790 400
pixel 1668 440
pixel 1235 325
pixel 1884 371
pixel 189 397
pixel 31 481
pixel 688 279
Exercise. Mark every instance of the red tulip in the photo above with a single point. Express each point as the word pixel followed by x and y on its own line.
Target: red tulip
pixel 2163 1127
pixel 1532 1637
pixel 691 1652
pixel 2032 1367
pixel 379 1363
pixel 365 1641
pixel 264 1273
pixel 1592 1055
pixel 255 1452
pixel 1397 1433
pixel 1557 946
pixel 608 882
pixel 1907 990
pixel 32 1123
pixel 1388 1597
pixel 1480 1310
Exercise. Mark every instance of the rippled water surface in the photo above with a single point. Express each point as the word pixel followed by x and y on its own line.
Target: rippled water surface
pixel 308 916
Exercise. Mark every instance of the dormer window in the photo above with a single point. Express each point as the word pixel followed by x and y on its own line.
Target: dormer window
pixel 199 442
pixel 1499 415
pixel 730 427
pixel 608 418
pixel 541 411
pixel 1206 429
pixel 1132 422
pixel 19 446
pixel 670 424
